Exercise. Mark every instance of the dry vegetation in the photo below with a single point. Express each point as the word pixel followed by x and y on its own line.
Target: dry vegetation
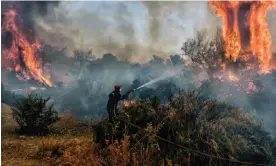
pixel 8 124
pixel 70 143
pixel 188 119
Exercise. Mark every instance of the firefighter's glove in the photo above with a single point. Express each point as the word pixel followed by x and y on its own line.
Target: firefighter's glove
pixel 125 96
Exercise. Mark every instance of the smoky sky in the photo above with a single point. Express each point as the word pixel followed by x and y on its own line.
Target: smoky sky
pixel 28 10
pixel 132 31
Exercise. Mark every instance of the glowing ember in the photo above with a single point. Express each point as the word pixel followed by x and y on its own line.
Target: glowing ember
pixel 128 103
pixel 251 88
pixel 232 76
pixel 20 54
pixel 245 31
pixel 33 88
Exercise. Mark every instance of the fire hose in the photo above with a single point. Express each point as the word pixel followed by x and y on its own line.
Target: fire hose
pixel 126 94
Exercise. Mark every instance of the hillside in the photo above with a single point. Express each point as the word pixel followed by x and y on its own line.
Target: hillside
pixel 185 130
pixel 8 124
pixel 23 150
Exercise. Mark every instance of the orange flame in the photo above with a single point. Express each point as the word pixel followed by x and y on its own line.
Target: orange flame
pixel 231 33
pixel 235 30
pixel 232 76
pixel 22 55
pixel 260 41
pixel 128 103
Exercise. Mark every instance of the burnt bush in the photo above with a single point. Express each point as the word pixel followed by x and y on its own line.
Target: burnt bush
pixel 192 121
pixel 33 115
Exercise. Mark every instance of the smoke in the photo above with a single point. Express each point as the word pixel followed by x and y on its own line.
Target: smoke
pixel 271 20
pixel 261 102
pixel 100 76
pixel 28 11
pixel 156 14
pixel 132 31
pixel 165 75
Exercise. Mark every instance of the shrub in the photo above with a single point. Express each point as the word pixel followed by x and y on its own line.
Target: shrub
pixel 188 119
pixel 33 115
pixel 69 124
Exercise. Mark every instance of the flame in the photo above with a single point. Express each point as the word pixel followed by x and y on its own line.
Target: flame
pixel 128 103
pixel 22 56
pixel 260 41
pixel 231 33
pixel 242 81
pixel 248 35
pixel 232 77
pixel 229 74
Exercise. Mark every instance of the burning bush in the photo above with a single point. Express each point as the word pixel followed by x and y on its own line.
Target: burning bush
pixel 194 122
pixel 33 115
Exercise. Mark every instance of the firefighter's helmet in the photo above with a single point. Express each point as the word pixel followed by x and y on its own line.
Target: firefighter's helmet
pixel 117 87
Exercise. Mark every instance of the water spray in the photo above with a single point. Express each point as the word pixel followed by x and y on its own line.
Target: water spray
pixel 165 75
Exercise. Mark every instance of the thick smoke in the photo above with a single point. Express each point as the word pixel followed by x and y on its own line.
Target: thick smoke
pixel 133 31
pixel 156 14
pixel 28 11
pixel 271 20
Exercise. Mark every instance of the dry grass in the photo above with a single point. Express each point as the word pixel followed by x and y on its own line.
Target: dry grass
pixel 20 151
pixel 195 123
pixel 68 151
pixel 50 150
pixel 70 143
pixel 69 124
pixel 68 135
pixel 8 124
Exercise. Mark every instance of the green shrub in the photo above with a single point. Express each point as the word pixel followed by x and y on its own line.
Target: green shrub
pixel 33 115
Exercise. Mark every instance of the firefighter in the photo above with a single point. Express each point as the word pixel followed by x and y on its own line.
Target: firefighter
pixel 114 98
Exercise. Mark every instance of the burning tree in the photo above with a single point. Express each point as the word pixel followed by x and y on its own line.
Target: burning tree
pixel 21 51
pixel 208 53
pixel 241 51
pixel 246 33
